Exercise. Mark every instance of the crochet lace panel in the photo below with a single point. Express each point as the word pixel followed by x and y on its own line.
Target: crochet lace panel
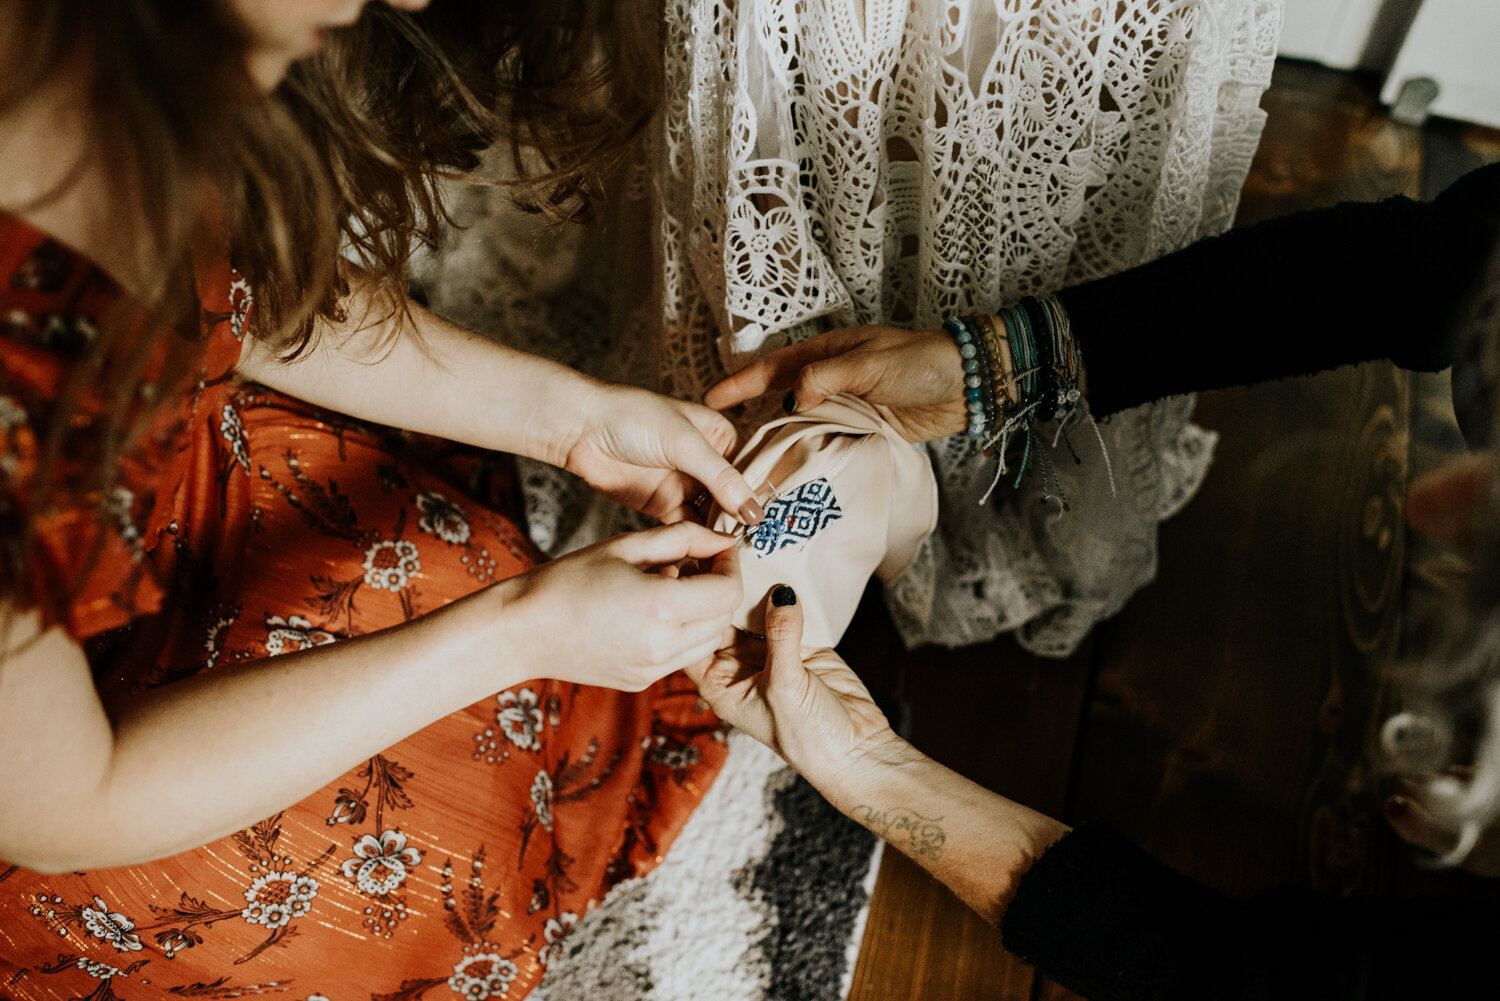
pixel 834 162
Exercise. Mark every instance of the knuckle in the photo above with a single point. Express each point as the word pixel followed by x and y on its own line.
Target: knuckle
pixel 726 477
pixel 687 530
pixel 656 614
pixel 823 379
pixel 780 629
pixel 661 650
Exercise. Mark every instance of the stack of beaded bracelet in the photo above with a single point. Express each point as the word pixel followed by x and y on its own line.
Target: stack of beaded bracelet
pixel 1001 368
pixel 979 393
pixel 1021 367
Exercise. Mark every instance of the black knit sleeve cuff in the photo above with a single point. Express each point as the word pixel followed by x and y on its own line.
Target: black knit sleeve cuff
pixel 1106 920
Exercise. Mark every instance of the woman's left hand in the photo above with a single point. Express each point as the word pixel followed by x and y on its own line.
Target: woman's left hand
pixel 916 377
pixel 650 453
pixel 806 705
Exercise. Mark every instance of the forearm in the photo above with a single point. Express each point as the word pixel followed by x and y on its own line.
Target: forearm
pixel 975 842
pixel 195 760
pixel 433 377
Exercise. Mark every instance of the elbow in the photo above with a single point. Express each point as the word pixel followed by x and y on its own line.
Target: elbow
pixel 47 867
pixel 49 851
pixel 46 857
pixel 53 853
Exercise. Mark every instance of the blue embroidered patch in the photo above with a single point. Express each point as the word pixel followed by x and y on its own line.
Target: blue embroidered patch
pixel 796 518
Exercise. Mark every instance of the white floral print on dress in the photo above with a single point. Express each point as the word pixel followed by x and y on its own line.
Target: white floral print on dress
pixel 120 503
pixel 379 865
pixel 762 247
pixel 292 634
pixel 99 971
pixel 520 718
pixel 390 564
pixel 277 897
pixel 232 429
pixel 443 518
pixel 241 298
pixel 674 754
pixel 541 798
pixel 111 927
pixel 555 931
pixel 482 975
pixel 171 943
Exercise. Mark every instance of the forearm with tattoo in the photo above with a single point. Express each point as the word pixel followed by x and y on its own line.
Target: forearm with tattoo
pixel 975 841
pixel 919 836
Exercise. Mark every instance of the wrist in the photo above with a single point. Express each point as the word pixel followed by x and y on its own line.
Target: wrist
pixel 491 623
pixel 875 764
pixel 948 364
pixel 561 411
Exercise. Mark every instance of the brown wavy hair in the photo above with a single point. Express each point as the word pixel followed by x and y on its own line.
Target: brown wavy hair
pixel 338 166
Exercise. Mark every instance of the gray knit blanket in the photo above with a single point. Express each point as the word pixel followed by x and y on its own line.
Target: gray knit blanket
pixel 763 897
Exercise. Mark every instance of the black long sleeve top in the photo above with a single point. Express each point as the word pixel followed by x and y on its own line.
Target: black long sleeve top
pixel 1295 295
pixel 1106 920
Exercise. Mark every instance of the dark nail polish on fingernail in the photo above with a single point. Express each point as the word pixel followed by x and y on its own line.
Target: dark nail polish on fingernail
pixel 789 402
pixel 1396 806
pixel 751 512
pixel 782 596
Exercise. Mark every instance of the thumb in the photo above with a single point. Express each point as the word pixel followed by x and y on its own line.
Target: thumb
pixel 822 379
pixel 692 454
pixel 784 668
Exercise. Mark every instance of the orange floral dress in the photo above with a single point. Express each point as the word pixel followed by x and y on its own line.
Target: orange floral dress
pixel 249 525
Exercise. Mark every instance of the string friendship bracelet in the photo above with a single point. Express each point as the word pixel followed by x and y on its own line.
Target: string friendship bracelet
pixel 1022 369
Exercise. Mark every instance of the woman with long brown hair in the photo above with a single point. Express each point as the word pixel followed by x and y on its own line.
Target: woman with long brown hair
pixel 251 641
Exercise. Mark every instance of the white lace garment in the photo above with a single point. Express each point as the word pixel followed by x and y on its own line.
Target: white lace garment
pixel 835 162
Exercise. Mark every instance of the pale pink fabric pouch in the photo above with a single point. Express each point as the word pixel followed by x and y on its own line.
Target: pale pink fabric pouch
pixel 845 497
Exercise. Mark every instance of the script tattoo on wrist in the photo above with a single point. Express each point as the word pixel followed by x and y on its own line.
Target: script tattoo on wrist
pixel 922 836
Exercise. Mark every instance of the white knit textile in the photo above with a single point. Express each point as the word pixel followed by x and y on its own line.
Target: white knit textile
pixel 836 162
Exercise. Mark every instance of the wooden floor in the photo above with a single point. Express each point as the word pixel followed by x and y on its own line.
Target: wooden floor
pixel 1221 719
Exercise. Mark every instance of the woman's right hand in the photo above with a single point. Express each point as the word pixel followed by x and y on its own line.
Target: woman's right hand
pixel 617 614
pixel 915 377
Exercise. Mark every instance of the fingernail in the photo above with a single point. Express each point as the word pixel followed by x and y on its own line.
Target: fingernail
pixel 789 402
pixel 751 512
pixel 782 596
pixel 1396 806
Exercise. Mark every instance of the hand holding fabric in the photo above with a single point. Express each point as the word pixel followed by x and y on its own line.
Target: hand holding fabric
pixel 649 453
pixel 806 705
pixel 810 708
pixel 915 378
pixel 617 614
